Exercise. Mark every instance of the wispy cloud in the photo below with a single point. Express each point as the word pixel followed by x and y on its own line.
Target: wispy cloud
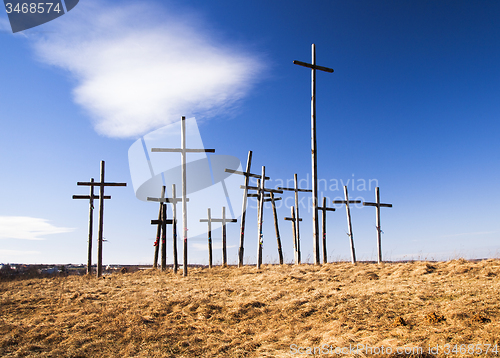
pixel 27 228
pixel 138 67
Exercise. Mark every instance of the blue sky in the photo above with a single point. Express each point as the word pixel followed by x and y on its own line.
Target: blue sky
pixel 412 104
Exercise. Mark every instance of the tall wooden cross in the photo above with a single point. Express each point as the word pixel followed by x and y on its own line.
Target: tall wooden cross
pixel 183 150
pixel 173 200
pixel 297 230
pixel 101 186
pixel 222 220
pixel 247 176
pixel 349 226
pixel 296 244
pixel 378 205
pixel 91 198
pixel 324 209
pixel 314 153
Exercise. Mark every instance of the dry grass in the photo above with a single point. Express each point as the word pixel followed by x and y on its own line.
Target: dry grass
pixel 247 312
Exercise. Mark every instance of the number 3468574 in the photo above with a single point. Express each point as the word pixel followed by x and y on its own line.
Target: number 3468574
pixel 32 8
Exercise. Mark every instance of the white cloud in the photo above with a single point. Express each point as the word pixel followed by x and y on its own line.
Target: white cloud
pixel 27 228
pixel 138 68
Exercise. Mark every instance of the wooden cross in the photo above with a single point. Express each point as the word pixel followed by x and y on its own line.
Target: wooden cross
pixel 173 200
pixel 158 230
pixel 297 231
pixel 378 205
pixel 91 198
pixel 247 175
pixel 296 244
pixel 101 186
pixel 314 153
pixel 163 221
pixel 270 198
pixel 223 220
pixel 183 150
pixel 348 210
pixel 324 209
pixel 276 229
pixel 261 194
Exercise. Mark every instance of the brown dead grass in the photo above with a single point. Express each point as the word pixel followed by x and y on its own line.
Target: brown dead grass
pixel 231 312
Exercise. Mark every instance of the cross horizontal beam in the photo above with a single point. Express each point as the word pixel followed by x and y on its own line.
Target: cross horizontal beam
pixel 265 189
pixel 90 197
pixel 293 189
pixel 314 67
pixel 156 222
pixel 272 199
pixel 89 183
pixel 219 220
pixel 166 200
pixel 258 195
pixel 348 201
pixel 326 209
pixel 245 174
pixel 292 219
pixel 379 205
pixel 180 150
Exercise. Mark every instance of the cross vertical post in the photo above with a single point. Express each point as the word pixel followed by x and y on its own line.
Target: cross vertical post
pixel 260 217
pixel 174 229
pixel 349 226
pixel 276 229
pixel 324 209
pixel 209 238
pixel 296 225
pixel 91 198
pixel 314 158
pixel 378 205
pixel 158 230
pixel 296 244
pixel 183 150
pixel 243 210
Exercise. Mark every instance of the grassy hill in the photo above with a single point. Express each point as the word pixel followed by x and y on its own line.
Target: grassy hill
pixel 272 312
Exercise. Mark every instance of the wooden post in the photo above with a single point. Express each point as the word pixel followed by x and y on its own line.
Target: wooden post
pixel 174 230
pixel 209 239
pixel 297 215
pixel 276 229
pixel 243 211
pixel 324 209
pixel 91 198
pixel 314 159
pixel 158 230
pixel 183 150
pixel 223 220
pixel 164 238
pixel 378 205
pixel 349 226
pixel 260 217
pixel 101 186
pixel 296 243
